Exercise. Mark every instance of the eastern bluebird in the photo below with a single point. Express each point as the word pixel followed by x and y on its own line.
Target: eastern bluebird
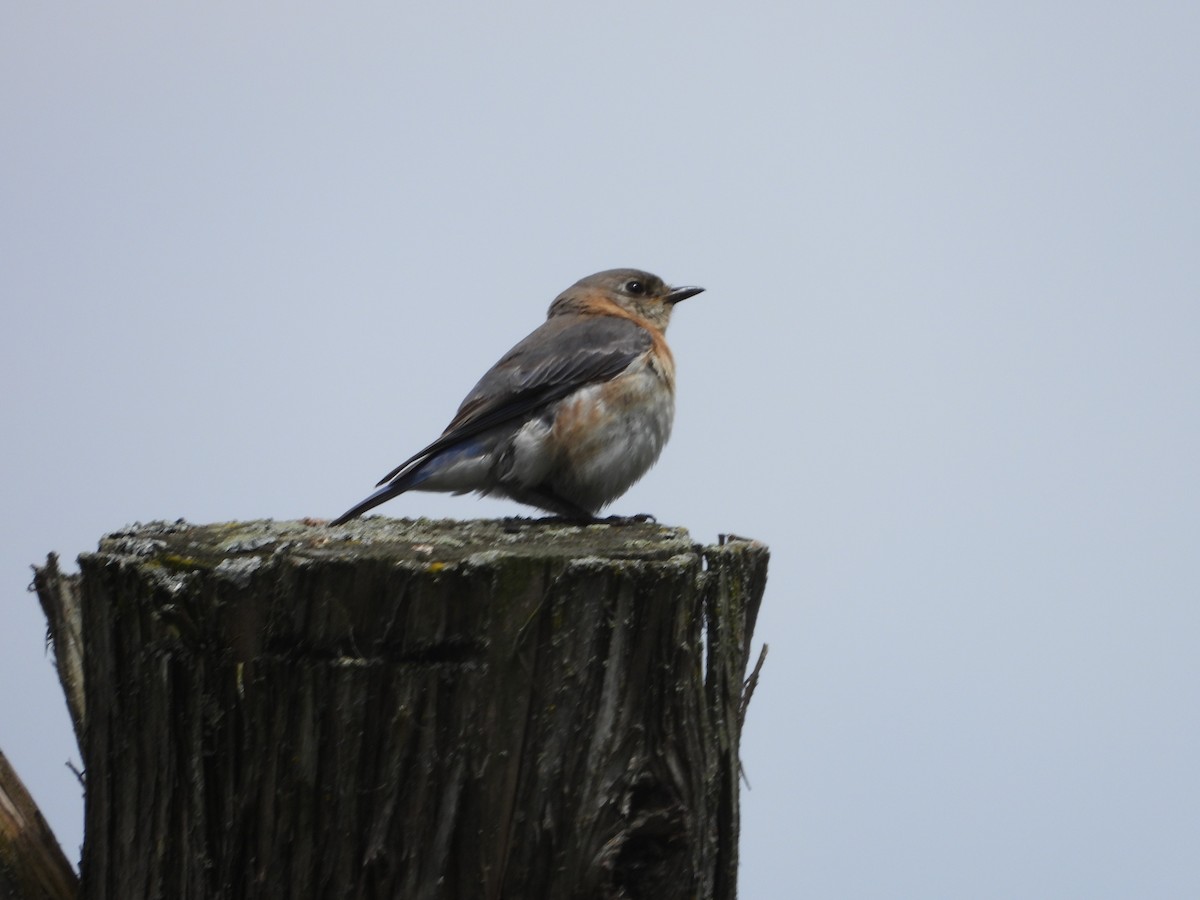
pixel 572 415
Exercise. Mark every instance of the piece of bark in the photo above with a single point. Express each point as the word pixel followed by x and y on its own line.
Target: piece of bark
pixel 59 596
pixel 32 865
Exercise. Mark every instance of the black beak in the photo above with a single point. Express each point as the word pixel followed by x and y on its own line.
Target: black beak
pixel 682 293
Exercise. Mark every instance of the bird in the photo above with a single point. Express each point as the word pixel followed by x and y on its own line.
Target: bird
pixel 569 418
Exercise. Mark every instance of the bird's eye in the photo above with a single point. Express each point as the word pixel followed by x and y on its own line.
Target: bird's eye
pixel 635 287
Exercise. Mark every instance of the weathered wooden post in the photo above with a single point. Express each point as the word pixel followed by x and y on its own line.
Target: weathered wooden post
pixel 410 709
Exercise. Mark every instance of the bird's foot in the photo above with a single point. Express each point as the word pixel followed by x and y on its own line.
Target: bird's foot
pixel 513 524
pixel 639 519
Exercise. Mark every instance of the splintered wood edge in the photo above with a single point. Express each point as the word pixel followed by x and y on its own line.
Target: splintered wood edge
pixel 58 594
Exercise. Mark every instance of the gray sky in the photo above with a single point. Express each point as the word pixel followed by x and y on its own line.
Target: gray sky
pixel 946 365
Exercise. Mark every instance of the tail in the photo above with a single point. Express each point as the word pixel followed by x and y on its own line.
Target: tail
pixel 384 494
pixel 460 462
pixel 392 489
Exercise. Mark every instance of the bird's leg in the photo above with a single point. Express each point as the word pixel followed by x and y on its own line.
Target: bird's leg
pixel 546 499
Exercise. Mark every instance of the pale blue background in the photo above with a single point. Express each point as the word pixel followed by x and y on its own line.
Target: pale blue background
pixel 947 365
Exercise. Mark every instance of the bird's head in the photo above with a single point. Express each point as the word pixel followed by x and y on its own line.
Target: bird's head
pixel 640 293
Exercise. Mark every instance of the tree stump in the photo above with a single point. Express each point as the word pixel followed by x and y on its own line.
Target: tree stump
pixel 412 709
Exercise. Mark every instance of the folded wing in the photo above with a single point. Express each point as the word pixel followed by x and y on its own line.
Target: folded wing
pixel 566 353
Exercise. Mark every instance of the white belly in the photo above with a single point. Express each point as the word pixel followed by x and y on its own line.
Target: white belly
pixel 608 437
